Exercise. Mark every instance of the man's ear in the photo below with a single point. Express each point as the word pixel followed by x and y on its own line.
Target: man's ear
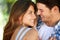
pixel 55 9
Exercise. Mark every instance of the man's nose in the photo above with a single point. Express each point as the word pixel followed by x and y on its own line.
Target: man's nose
pixel 38 12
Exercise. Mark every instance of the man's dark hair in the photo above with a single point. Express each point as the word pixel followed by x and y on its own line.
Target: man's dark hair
pixel 50 3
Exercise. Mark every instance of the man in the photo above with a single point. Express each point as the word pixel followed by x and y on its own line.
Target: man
pixel 49 11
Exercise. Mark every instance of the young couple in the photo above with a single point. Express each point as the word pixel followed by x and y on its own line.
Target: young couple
pixel 22 22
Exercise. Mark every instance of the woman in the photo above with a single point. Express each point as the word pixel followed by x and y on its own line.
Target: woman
pixel 21 19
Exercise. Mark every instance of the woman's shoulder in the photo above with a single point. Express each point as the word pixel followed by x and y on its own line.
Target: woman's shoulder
pixel 24 33
pixel 32 31
pixel 15 33
pixel 31 35
pixel 18 31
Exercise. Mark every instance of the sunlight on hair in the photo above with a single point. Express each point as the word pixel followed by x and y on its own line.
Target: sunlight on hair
pixel 1 24
pixel 34 1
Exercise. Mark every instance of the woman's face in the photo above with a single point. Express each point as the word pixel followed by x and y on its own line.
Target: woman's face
pixel 29 17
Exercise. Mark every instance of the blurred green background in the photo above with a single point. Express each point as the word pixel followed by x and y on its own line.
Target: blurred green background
pixel 5 6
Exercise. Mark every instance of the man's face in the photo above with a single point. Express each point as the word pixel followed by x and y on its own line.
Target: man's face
pixel 44 12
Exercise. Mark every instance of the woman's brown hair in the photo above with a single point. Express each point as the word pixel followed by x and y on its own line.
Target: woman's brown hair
pixel 17 10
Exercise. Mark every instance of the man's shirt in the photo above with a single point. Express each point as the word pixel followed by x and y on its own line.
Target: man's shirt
pixel 57 31
pixel 45 31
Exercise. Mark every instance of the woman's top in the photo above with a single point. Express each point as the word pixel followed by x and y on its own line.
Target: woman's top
pixel 21 33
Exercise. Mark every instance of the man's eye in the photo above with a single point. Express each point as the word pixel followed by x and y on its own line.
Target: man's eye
pixel 41 10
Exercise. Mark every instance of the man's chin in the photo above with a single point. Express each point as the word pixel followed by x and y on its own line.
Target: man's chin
pixel 44 21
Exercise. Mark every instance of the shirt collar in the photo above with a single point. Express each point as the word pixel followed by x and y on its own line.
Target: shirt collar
pixel 58 24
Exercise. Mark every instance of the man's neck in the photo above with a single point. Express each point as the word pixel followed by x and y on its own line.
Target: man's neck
pixel 51 23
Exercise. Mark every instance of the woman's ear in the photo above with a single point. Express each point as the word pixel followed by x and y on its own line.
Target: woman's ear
pixel 21 19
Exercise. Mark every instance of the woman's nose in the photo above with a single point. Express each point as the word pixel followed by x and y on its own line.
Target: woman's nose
pixel 34 16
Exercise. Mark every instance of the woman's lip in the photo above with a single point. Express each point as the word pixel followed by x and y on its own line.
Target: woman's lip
pixel 32 20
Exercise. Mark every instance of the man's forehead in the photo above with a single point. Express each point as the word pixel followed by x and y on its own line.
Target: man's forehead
pixel 40 5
